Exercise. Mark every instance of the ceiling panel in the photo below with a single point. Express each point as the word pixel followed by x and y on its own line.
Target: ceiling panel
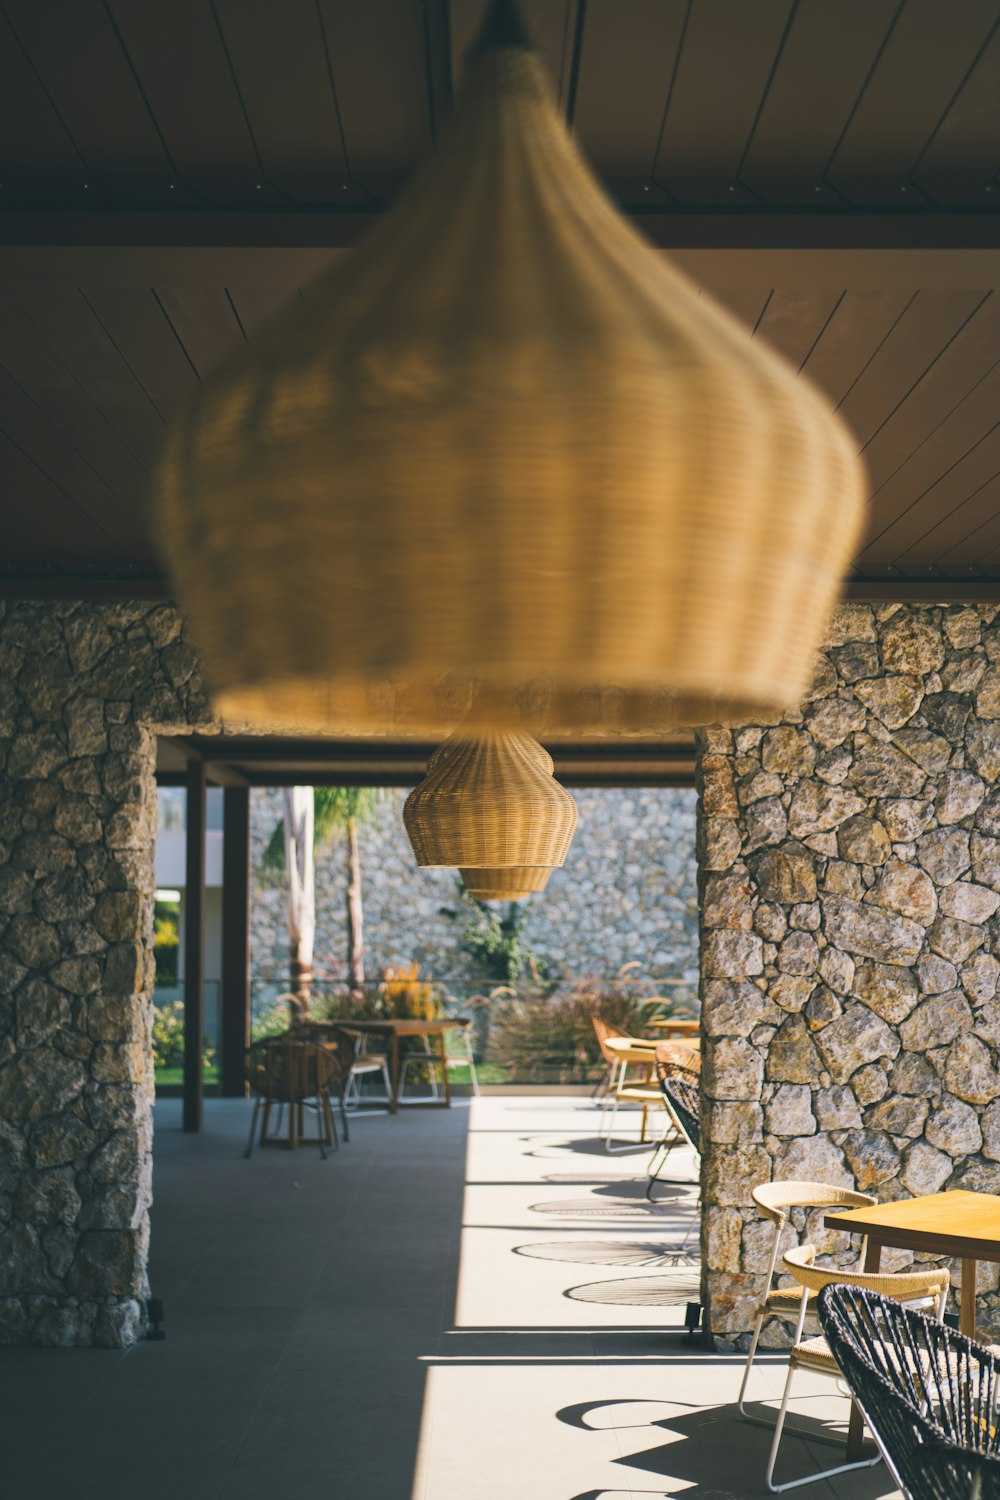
pixel 727 55
pixel 825 58
pixel 924 64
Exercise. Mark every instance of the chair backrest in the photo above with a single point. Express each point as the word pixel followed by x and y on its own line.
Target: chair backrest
pixel 929 1395
pixel 604 1029
pixel 905 1286
pixel 335 1039
pixel 774 1199
pixel 679 1056
pixel 288 1069
pixel 680 1087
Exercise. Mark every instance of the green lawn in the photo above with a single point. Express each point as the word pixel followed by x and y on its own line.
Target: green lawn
pixel 174 1077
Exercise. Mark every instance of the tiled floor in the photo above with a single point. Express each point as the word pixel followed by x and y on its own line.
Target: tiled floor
pixel 471 1304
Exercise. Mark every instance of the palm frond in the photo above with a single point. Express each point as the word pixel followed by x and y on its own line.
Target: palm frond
pixel 334 808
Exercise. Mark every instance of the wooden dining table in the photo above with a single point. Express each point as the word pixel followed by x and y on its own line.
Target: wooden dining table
pixel 958 1223
pixel 393 1028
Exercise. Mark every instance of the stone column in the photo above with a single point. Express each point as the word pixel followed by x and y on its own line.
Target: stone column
pixel 82 688
pixel 850 870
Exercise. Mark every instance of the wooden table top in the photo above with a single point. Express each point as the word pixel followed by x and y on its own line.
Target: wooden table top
pixel 402 1025
pixel 956 1223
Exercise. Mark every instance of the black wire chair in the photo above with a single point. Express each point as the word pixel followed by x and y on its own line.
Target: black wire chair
pixel 680 1086
pixel 930 1396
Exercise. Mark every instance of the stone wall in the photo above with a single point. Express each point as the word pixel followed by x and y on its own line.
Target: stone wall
pixel 82 688
pixel 850 888
pixel 627 893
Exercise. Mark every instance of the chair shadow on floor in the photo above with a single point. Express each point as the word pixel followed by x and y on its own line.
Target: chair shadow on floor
pixel 711 1450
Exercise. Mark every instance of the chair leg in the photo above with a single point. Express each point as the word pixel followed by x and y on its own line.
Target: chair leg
pixel 331 1124
pixel 253 1126
pixel 793 1484
pixel 320 1126
pixel 749 1364
pixel 473 1075
pixel 343 1114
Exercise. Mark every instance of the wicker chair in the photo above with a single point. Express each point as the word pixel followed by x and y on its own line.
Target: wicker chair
pixel 814 1354
pixel 355 1065
pixel 774 1200
pixel 620 1088
pixel 929 1395
pixel 678 1073
pixel 288 1071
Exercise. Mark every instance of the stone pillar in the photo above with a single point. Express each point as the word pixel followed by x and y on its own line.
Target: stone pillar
pixel 850 882
pixel 82 689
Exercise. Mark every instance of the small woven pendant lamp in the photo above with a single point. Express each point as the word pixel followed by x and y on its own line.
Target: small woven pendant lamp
pixel 490 802
pixel 502 463
pixel 511 884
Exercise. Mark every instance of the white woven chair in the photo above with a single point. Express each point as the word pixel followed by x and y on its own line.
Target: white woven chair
pixel 775 1200
pixel 925 1288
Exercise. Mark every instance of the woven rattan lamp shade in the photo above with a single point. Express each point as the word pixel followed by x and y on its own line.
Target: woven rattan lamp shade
pixel 511 884
pixel 503 463
pixel 490 802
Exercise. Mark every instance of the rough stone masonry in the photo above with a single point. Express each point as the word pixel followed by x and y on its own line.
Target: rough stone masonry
pixel 850 886
pixel 82 689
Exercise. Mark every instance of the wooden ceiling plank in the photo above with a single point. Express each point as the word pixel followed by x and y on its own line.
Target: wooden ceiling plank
pixel 377 59
pixel 793 322
pixel 725 64
pixel 67 322
pixel 627 61
pixel 828 53
pixel 76 51
pixel 954 376
pixel 745 303
pixel 279 55
pixel 905 358
pixel 860 323
pixel 902 515
pixel 44 377
pixel 956 538
pixel 63 463
pixel 37 146
pixel 928 460
pixel 134 320
pixel 204 320
pixel 255 302
pixel 924 63
pixel 202 122
pixel 962 159
pixel 73 537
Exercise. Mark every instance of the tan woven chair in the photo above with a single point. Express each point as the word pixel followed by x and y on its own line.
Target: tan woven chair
pixel 926 1287
pixel 288 1071
pixel 775 1200
pixel 642 1089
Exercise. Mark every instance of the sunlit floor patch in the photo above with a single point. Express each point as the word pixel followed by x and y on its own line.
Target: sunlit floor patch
pixel 609 1253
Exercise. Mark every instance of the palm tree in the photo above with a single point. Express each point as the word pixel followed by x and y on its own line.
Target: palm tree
pixel 315 817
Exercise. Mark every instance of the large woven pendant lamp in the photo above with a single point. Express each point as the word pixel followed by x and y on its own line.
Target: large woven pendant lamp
pixel 490 802
pixel 502 463
pixel 510 884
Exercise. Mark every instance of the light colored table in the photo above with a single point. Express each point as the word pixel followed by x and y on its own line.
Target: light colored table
pixel 961 1224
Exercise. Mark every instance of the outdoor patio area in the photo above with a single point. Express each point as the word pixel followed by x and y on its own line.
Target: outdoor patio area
pixel 459 1305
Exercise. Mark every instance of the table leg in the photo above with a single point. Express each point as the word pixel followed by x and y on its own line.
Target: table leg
pixel 444 1064
pixel 394 1072
pixel 967 1317
pixel 857 1448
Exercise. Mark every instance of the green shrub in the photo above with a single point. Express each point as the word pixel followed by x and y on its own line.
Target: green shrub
pixel 166 939
pixel 168 1037
pixel 541 1035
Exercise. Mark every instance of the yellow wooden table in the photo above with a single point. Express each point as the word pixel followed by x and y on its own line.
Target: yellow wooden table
pixel 961 1224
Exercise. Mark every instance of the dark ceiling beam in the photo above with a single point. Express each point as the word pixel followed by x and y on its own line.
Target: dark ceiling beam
pixel 809 248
